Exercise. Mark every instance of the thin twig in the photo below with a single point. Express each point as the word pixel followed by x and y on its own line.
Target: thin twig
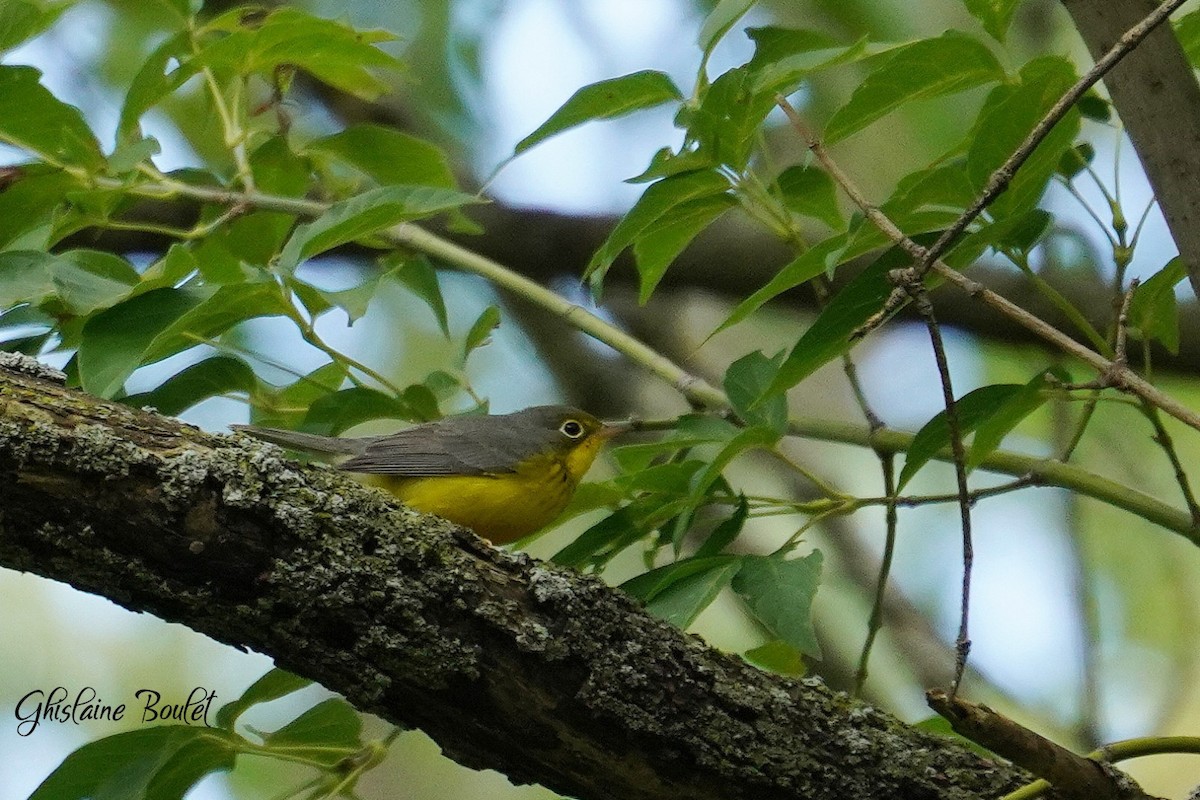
pixel 888 462
pixel 962 643
pixel 998 181
pixel 912 501
pixel 1167 444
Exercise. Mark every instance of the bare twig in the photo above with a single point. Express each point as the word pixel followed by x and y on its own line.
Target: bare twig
pixel 998 181
pixel 888 462
pixel 1167 444
pixel 962 643
pixel 912 501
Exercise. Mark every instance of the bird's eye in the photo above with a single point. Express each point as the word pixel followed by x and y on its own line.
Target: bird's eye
pixel 572 428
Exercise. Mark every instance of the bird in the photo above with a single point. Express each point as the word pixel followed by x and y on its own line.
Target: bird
pixel 504 476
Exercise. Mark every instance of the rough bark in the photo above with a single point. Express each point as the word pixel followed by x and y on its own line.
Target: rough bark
pixel 509 663
pixel 1158 100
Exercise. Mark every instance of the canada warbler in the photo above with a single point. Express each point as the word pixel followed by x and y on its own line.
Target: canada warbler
pixel 502 476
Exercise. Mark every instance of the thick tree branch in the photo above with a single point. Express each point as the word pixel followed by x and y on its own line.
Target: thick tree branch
pixel 508 663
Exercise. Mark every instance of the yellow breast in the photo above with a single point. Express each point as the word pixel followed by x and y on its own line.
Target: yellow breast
pixel 503 507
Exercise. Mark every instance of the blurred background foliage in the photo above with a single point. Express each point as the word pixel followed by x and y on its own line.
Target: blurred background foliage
pixel 1085 615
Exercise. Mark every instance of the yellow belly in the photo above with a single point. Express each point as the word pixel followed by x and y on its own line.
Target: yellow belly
pixel 502 508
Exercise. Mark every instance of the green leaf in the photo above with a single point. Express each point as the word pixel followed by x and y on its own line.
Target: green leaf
pixel 994 15
pixel 752 438
pixel 654 203
pixel 209 378
pixel 327 732
pixel 153 82
pixel 271 686
pixel 1153 312
pixel 1007 117
pixel 746 383
pixel 88 280
pixel 354 301
pixel 671 478
pixel 650 584
pixel 710 476
pixel 992 430
pixel 418 275
pixel 724 534
pixel 719 21
pixel 114 340
pixel 829 335
pixel 788 73
pixel 388 156
pixel 779 592
pixel 28 205
pixel 161 323
pixel 422 401
pixel 129 155
pixel 664 239
pixel 944 185
pixel 950 63
pixel 682 600
pixel 773 44
pixel 972 409
pixel 606 99
pixel 481 331
pixel 816 260
pixel 809 191
pixel 156 763
pixel 1019 233
pixel 1076 159
pixel 34 120
pixel 338 411
pixel 725 126
pixel 21 20
pixel 365 214
pixel 285 407
pixel 777 656
pixel 666 162
pixel 1094 107
pixel 606 536
pixel 331 51
pixel 217 313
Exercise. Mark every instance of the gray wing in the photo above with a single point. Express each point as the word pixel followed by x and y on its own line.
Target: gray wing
pixel 458 446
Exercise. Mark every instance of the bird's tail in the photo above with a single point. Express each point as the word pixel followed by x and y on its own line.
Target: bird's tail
pixel 308 442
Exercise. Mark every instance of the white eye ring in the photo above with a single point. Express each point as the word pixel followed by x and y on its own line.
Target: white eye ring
pixel 572 429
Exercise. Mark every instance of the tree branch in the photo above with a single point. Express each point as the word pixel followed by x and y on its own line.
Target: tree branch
pixel 1078 777
pixel 507 662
